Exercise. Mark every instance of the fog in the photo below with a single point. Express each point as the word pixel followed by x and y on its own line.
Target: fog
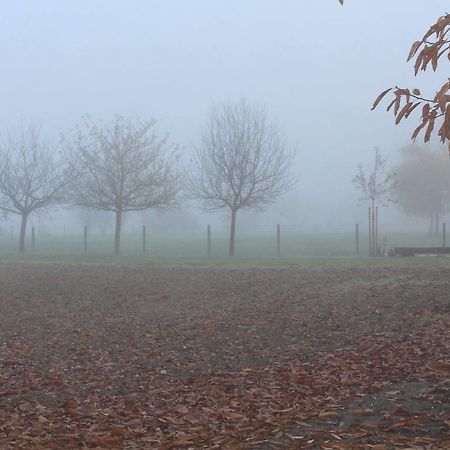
pixel 315 66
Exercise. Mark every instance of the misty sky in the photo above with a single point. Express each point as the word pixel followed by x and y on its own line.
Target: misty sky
pixel 316 66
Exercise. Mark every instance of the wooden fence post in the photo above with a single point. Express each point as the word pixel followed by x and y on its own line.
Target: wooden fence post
pixel 144 239
pixel 85 239
pixel 208 239
pixel 376 252
pixel 33 239
pixel 278 239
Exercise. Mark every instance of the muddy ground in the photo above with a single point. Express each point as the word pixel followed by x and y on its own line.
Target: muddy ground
pixel 103 356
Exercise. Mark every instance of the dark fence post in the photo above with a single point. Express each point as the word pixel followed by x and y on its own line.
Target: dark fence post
pixel 208 239
pixel 357 238
pixel 377 252
pixel 144 239
pixel 444 234
pixel 33 239
pixel 85 239
pixel 278 239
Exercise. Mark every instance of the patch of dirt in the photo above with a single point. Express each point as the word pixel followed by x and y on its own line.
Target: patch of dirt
pixel 145 357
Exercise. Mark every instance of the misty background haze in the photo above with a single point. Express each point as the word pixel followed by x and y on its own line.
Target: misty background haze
pixel 314 66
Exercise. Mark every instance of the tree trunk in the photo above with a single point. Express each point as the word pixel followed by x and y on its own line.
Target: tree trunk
pixel 232 231
pixel 374 244
pixel 23 229
pixel 117 232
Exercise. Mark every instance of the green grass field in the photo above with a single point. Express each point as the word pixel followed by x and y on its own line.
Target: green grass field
pixel 191 249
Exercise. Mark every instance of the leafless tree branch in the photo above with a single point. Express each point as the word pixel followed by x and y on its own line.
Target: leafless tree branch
pixel 376 183
pixel 122 166
pixel 32 177
pixel 241 162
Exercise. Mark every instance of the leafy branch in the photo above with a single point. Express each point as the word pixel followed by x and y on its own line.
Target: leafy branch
pixel 435 113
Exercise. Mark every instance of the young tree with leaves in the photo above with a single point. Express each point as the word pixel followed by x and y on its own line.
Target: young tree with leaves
pixel 122 166
pixel 376 184
pixel 241 163
pixel 32 177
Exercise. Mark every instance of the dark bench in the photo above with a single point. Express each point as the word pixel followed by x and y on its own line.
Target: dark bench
pixel 412 251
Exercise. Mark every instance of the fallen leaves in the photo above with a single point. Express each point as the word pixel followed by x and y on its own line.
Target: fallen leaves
pixel 147 374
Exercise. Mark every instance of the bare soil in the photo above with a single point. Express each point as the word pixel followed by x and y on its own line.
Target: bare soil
pixel 97 356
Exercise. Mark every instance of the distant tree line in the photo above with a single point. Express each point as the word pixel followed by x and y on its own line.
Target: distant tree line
pixel 124 165
pixel 423 184
pixel 419 184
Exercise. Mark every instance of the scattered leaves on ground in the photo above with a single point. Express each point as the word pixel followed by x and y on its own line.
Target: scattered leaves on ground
pixel 98 356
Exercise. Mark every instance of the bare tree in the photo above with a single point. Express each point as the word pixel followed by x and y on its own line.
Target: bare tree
pixel 32 177
pixel 376 184
pixel 241 163
pixel 122 166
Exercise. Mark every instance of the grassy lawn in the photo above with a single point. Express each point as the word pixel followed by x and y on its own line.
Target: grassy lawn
pixel 311 249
